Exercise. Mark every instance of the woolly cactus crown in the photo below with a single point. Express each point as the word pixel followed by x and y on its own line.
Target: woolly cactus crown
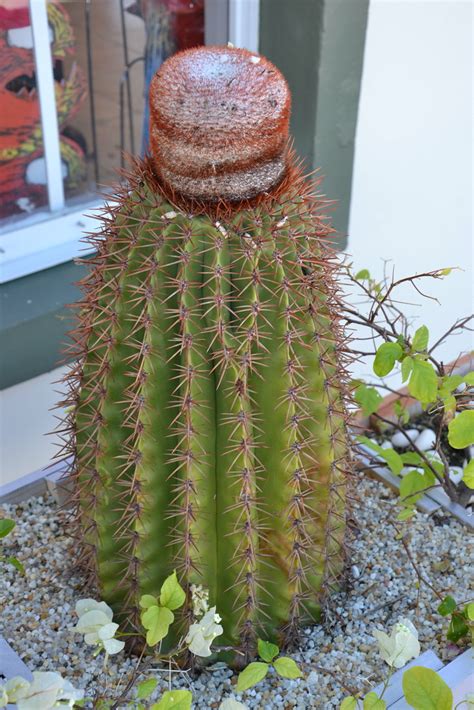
pixel 219 123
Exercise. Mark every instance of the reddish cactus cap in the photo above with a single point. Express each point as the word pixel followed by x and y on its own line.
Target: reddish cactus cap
pixel 219 123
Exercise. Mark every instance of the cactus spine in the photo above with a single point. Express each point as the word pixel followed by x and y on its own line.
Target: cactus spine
pixel 208 426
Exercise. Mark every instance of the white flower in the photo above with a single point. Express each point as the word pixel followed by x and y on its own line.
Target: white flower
pixel 200 599
pixel 402 644
pixel 46 690
pixel 202 634
pixel 90 624
pixel 469 700
pixel 85 605
pixel 17 688
pixel 95 622
pixel 3 697
pixel 106 639
pixel 231 704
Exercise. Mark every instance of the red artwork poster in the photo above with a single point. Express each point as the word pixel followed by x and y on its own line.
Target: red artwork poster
pixel 22 165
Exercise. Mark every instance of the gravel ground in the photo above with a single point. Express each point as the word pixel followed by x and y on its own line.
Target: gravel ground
pixel 37 611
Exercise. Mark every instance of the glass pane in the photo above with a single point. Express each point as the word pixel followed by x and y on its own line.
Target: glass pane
pixel 103 56
pixel 22 170
pixel 105 74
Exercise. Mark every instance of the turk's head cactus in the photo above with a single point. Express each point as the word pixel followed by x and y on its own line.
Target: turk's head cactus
pixel 208 390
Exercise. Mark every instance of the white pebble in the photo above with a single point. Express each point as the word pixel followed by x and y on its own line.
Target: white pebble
pixel 355 571
pixel 400 439
pixel 426 440
pixel 409 469
pixel 169 215
pixel 455 474
pixel 255 60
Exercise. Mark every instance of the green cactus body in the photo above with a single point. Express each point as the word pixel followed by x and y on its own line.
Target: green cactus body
pixel 209 422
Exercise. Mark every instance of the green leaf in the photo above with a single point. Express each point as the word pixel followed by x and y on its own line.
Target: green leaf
pixel 406 513
pixel 413 484
pixel 390 456
pixel 267 651
pixel 470 611
pixel 449 402
pixel 412 458
pixel 174 700
pixel 461 430
pixel 445 272
pixel 368 399
pixel 172 594
pixel 250 676
pixel 349 703
pixel 386 357
pixel 401 412
pixel 424 689
pixel 447 606
pixel 287 668
pixel 362 275
pixel 457 628
pixel 423 384
pixel 436 464
pixel 468 474
pixel 156 620
pixel 450 382
pixel 393 460
pixel 407 366
pixel 147 600
pixel 420 339
pixel 373 702
pixel 146 688
pixel 469 379
pixel 16 563
pixel 6 526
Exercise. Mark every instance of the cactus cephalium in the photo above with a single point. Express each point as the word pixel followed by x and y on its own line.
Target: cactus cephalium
pixel 208 390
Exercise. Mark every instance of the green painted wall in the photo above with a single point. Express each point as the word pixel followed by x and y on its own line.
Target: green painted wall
pixel 34 321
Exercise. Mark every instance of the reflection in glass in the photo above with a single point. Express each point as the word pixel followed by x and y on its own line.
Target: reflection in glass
pixel 22 164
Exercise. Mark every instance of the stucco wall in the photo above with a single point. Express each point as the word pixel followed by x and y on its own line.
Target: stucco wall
pixel 412 180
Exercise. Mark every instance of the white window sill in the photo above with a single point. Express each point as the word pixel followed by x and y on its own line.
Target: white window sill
pixel 46 240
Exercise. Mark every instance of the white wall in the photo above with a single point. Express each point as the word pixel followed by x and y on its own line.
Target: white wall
pixel 412 184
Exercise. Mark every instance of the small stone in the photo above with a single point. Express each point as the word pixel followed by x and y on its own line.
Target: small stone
pixel 400 439
pixel 409 469
pixel 426 440
pixel 355 571
pixel 455 474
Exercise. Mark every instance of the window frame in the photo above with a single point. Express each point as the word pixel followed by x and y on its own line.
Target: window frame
pixel 55 235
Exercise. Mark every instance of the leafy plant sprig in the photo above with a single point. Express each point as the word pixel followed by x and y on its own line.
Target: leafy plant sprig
pixel 446 395
pixel 255 672
pixel 6 527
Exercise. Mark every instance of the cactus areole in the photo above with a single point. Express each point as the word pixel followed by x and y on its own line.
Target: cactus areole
pixel 208 426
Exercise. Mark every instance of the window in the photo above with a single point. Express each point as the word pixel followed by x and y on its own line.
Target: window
pixel 73 78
